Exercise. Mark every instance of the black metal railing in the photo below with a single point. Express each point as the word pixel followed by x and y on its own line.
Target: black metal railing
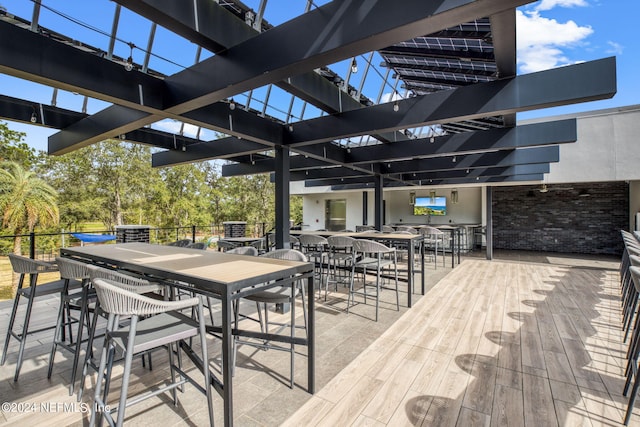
pixel 46 246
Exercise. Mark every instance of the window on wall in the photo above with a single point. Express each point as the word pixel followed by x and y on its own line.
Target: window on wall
pixel 335 214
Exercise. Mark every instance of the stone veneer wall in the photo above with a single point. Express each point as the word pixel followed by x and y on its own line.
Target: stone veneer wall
pixel 561 220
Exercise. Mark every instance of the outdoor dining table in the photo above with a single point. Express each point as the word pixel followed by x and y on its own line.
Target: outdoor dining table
pixel 410 240
pixel 243 241
pixel 455 240
pixel 227 277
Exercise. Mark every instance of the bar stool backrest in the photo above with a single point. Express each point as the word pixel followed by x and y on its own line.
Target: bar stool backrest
pixel 244 250
pixel 24 265
pixel 72 269
pixel 286 254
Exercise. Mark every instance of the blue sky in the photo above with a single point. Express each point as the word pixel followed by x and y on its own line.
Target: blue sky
pixel 551 33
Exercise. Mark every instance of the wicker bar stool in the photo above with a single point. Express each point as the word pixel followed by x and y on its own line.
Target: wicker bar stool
pixel 276 295
pixel 141 286
pixel 27 266
pixel 374 256
pixel 432 239
pixel 163 326
pixel 72 270
pixel 340 259
pixel 316 250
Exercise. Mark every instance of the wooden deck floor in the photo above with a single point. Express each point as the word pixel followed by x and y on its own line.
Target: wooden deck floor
pixel 492 343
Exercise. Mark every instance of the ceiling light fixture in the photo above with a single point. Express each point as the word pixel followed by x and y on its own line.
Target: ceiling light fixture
pixel 454 159
pixel 34 117
pixel 232 104
pixel 129 64
pixel 432 140
pixel 396 106
pixel 454 196
pixel 354 66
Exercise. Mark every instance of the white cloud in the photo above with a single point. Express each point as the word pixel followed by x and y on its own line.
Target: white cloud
pixel 390 96
pixel 550 4
pixel 614 48
pixel 540 40
pixel 174 127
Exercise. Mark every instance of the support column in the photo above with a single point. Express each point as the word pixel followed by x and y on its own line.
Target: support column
pixel 378 205
pixel 365 208
pixel 282 197
pixel 489 234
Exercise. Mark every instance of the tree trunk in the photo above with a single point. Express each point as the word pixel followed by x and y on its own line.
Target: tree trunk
pixel 118 206
pixel 17 249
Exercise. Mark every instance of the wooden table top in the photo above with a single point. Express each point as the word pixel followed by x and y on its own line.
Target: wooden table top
pixel 217 271
pixel 362 235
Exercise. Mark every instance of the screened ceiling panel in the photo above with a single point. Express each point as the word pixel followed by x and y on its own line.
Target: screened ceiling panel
pixel 361 85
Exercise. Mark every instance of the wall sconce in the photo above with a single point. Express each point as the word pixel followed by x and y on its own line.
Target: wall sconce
pixel 412 198
pixel 454 196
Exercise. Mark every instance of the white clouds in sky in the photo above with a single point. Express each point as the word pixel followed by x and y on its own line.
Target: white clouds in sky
pixel 550 4
pixel 614 48
pixel 189 130
pixel 541 41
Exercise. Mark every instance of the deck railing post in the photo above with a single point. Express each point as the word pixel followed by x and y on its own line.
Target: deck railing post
pixel 32 245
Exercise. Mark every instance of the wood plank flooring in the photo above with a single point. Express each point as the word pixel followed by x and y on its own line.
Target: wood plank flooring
pixel 493 343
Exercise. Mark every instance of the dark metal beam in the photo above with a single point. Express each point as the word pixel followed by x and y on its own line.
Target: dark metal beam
pixel 21 110
pixel 583 82
pixel 557 132
pixel 265 166
pixel 217 29
pixel 367 158
pixel 479 181
pixel 450 176
pixel 471 173
pixel 32 56
pixel 493 159
pixel 219 149
pixel 324 35
pixel 49 116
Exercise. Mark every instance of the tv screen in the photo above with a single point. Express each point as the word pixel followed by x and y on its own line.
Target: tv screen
pixel 430 206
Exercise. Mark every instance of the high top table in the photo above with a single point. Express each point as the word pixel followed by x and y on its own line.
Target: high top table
pixel 409 239
pixel 227 277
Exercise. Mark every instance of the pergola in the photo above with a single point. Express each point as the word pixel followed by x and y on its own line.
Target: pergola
pixel 444 112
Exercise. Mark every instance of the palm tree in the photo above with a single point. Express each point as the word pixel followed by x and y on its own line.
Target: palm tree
pixel 25 201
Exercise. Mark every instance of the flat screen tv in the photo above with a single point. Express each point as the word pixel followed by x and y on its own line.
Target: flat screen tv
pixel 430 206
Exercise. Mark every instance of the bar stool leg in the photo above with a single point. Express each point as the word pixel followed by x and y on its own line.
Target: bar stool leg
pixel 25 329
pixel 12 319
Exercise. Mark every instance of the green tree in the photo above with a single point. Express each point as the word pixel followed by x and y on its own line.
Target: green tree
pixel 13 149
pixel 26 201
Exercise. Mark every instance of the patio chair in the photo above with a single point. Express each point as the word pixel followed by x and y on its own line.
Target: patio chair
pixel 244 250
pixel 316 250
pixel 374 256
pixel 180 243
pixel 141 286
pixel 72 270
pixel 432 239
pixel 197 245
pixel 340 258
pixel 224 245
pixel 23 266
pixel 277 295
pixel 164 326
pixel 388 229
